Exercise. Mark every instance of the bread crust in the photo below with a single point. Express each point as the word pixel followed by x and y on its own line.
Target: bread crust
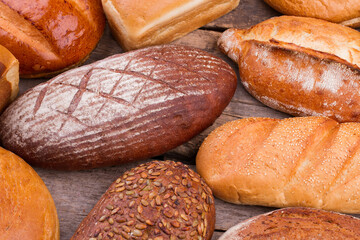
pixel 346 12
pixel 296 223
pixel 138 23
pixel 50 36
pixel 27 208
pixel 306 162
pixel 300 66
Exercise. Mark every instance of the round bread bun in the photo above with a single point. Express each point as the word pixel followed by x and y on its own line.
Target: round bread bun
pixel 48 37
pixel 346 12
pixel 27 210
pixel 296 223
pixel 9 77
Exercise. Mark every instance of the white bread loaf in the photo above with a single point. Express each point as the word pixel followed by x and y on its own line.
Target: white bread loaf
pixel 301 66
pixel 308 162
pixel 141 23
pixel 346 12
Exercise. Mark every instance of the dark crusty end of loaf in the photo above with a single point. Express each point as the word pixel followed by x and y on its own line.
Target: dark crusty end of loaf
pixel 156 200
pixel 126 107
pixel 296 223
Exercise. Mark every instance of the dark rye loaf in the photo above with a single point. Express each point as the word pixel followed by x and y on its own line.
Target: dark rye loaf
pixel 123 108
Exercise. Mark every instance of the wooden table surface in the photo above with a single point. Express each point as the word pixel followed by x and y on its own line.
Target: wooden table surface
pixel 75 193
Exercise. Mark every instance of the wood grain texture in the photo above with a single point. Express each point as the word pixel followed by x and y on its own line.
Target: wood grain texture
pixel 76 193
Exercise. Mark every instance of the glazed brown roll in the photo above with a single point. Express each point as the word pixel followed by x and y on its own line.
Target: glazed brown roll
pixel 48 37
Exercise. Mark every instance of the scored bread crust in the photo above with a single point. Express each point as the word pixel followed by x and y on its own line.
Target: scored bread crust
pixel 301 66
pixel 9 77
pixel 308 162
pixel 27 208
pixel 296 223
pixel 346 12
pixel 50 36
pixel 137 24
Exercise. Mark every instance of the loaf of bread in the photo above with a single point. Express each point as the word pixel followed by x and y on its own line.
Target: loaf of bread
pixel 156 200
pixel 9 77
pixel 307 162
pixel 127 107
pixel 50 36
pixel 27 210
pixel 301 66
pixel 296 223
pixel 346 12
pixel 141 23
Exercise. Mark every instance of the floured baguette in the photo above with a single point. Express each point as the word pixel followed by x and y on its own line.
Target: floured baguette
pixel 302 66
pixel 296 223
pixel 308 162
pixel 346 12
pixel 9 77
pixel 141 23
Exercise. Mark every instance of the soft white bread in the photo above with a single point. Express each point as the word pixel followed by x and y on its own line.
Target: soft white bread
pixel 346 12
pixel 307 162
pixel 9 77
pixel 301 66
pixel 296 223
pixel 27 210
pixel 139 23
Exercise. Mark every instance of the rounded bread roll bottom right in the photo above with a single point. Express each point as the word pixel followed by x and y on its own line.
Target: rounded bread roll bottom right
pixel 306 162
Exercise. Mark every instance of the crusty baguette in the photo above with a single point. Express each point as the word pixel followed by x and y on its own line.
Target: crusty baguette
pixel 50 36
pixel 9 77
pixel 296 223
pixel 346 12
pixel 141 23
pixel 309 162
pixel 301 66
pixel 26 206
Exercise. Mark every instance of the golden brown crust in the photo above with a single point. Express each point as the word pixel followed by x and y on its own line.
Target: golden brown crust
pixel 300 66
pixel 27 208
pixel 156 200
pixel 338 11
pixel 296 223
pixel 9 77
pixel 50 36
pixel 310 162
pixel 138 24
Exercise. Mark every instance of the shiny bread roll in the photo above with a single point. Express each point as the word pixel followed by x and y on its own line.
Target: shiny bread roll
pixel 301 66
pixel 48 37
pixel 9 77
pixel 304 162
pixel 296 223
pixel 346 12
pixel 141 23
pixel 26 206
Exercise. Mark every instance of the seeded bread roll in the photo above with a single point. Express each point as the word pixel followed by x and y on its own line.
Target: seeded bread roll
pixel 296 223
pixel 141 23
pixel 48 37
pixel 156 200
pixel 346 12
pixel 301 66
pixel 9 77
pixel 304 162
pixel 26 206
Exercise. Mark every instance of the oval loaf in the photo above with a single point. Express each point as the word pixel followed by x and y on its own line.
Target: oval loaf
pixel 50 36
pixel 26 206
pixel 296 223
pixel 156 200
pixel 307 162
pixel 346 12
pixel 301 66
pixel 126 107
